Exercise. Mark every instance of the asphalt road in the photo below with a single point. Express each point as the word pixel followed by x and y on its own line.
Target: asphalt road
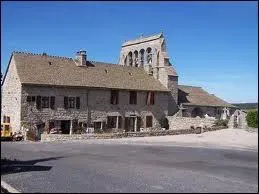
pixel 79 167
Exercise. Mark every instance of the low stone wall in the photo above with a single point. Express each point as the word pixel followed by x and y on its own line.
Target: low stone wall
pixel 66 137
pixel 186 122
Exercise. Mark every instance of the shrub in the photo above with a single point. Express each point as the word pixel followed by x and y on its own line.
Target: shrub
pixel 252 118
pixel 221 122
pixel 98 131
pixel 164 123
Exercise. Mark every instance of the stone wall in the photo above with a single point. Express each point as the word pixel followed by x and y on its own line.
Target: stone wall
pixel 238 120
pixel 11 96
pixel 63 137
pixel 94 104
pixel 186 122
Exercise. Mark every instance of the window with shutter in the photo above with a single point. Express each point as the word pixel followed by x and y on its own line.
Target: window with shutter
pixel 78 102
pixel 4 119
pixel 66 102
pixel 52 102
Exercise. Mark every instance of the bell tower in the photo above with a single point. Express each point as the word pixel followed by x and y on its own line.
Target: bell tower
pixel 150 53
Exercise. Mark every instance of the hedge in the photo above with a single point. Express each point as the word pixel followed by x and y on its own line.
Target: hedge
pixel 252 118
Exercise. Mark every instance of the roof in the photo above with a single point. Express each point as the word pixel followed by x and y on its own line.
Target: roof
pixel 143 39
pixel 191 95
pixel 63 71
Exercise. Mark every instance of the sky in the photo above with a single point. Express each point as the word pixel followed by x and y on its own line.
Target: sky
pixel 213 45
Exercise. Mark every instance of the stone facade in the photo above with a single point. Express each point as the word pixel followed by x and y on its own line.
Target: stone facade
pixel 94 105
pixel 11 96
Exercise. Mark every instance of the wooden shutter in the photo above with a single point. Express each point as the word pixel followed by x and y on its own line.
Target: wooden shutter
pixel 52 102
pixel 65 102
pixel 114 97
pixel 152 100
pixel 38 102
pixel 133 97
pixel 148 98
pixel 117 97
pixel 78 102
pixel 4 119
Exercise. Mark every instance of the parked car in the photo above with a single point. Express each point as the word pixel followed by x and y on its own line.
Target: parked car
pixel 55 131
pixel 18 136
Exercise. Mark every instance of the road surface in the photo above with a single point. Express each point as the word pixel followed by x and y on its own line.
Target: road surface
pixel 83 167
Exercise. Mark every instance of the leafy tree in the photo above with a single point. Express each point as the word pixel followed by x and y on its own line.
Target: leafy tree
pixel 252 118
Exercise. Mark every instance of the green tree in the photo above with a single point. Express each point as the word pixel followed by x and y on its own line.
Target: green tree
pixel 252 118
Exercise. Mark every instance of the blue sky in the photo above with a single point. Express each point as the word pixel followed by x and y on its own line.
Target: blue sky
pixel 211 44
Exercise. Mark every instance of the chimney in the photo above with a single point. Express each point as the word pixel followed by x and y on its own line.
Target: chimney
pixel 81 58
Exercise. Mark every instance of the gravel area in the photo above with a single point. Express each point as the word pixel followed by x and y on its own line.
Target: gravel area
pixel 225 138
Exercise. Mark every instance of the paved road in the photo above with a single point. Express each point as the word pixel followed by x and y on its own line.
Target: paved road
pixel 81 167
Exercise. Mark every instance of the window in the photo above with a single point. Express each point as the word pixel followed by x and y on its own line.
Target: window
pixel 30 98
pixel 133 97
pixel 149 121
pixel 111 121
pixel 150 98
pixel 6 119
pixel 97 125
pixel 45 102
pixel 114 97
pixel 71 102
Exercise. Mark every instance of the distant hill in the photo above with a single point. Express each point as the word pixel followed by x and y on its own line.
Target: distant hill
pixel 247 105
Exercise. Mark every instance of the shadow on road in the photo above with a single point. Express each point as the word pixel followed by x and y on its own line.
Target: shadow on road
pixel 16 166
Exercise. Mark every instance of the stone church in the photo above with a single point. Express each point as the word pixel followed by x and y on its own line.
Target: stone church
pixel 48 92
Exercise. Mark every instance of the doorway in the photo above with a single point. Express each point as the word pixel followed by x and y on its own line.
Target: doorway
pixel 65 126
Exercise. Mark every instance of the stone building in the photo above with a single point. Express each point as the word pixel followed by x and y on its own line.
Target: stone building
pixel 50 91
pixel 195 101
